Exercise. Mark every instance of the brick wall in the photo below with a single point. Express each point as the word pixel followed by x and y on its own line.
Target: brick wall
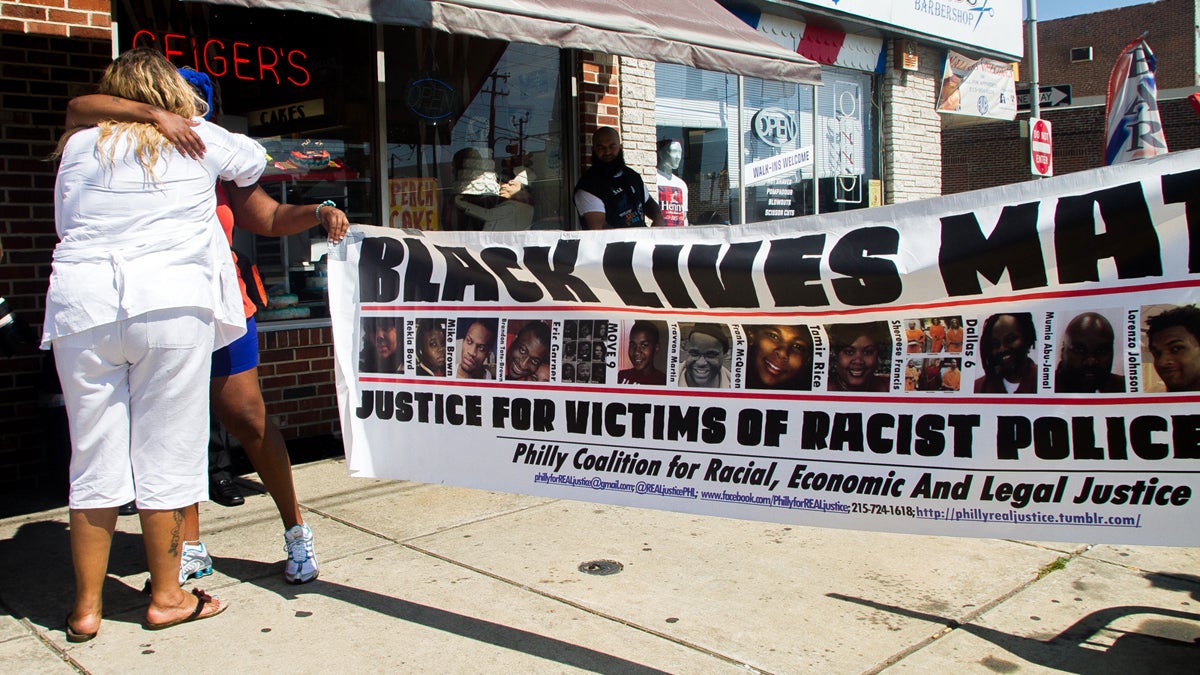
pixel 639 132
pixel 1171 24
pixel 912 131
pixel 39 72
pixel 599 99
pixel 987 155
pixel 86 19
pixel 296 376
pixel 991 154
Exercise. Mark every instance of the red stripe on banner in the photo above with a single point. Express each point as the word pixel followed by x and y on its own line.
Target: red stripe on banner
pixel 814 396
pixel 464 310
pixel 821 44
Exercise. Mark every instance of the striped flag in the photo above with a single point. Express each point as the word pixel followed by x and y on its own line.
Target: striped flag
pixel 1134 128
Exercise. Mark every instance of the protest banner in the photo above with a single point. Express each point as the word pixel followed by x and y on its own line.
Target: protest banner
pixel 1018 362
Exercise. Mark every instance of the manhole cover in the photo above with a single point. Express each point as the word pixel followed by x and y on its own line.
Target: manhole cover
pixel 601 567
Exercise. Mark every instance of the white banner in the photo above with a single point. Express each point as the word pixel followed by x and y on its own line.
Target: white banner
pixel 977 88
pixel 1020 362
pixel 790 161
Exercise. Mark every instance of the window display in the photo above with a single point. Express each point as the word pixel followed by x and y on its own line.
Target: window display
pixel 474 133
pixel 300 84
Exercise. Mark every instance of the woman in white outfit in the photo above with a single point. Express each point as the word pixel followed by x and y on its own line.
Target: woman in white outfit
pixel 142 289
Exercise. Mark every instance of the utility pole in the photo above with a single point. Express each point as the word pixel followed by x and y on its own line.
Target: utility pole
pixel 519 122
pixel 492 110
pixel 1035 94
pixel 1031 47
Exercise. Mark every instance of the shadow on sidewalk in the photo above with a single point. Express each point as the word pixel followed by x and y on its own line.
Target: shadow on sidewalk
pixel 1076 651
pixel 37 581
pixel 266 576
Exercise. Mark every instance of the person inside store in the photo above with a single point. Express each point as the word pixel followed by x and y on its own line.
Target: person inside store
pixel 1174 337
pixel 527 358
pixel 235 394
pixel 705 349
pixel 954 335
pixel 672 190
pixel 475 349
pixel 142 289
pixel 611 194
pixel 1004 344
pixel 381 346
pixel 643 347
pixel 512 211
pixel 431 347
pixel 780 357
pixel 855 356
pixel 1086 361
pixel 475 184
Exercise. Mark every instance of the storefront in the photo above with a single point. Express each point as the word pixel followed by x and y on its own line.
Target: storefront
pixel 755 150
pixel 405 125
pixel 408 113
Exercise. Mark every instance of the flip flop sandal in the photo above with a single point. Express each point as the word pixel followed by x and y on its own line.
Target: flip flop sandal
pixel 202 599
pixel 72 636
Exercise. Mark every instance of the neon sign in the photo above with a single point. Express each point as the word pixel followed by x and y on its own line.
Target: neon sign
pixel 242 60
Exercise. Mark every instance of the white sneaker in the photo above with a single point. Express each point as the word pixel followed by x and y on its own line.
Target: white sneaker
pixel 195 562
pixel 301 565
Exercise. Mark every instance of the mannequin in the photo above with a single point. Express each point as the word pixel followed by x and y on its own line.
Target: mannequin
pixel 672 190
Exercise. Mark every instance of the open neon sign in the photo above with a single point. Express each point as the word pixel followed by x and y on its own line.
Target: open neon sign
pixel 242 60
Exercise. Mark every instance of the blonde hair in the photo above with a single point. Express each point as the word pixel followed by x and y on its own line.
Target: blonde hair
pixel 146 76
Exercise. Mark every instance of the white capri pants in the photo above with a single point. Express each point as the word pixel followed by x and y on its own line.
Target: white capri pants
pixel 136 393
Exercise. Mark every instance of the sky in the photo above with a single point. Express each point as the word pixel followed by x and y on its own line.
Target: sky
pixel 1056 9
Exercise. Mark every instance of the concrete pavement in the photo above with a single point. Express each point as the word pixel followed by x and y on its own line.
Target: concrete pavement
pixel 429 578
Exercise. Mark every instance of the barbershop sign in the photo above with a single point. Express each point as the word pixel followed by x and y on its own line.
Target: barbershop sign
pixel 1017 363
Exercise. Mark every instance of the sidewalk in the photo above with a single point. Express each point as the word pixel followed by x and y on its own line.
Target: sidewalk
pixel 429 578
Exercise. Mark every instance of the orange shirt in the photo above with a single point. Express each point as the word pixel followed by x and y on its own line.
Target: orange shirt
pixel 225 215
pixel 954 337
pixel 951 379
pixel 916 340
pixel 937 334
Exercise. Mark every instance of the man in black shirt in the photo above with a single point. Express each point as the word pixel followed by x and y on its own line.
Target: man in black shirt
pixel 610 194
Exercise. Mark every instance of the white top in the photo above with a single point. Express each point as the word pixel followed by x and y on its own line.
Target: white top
pixel 130 242
pixel 672 199
pixel 508 215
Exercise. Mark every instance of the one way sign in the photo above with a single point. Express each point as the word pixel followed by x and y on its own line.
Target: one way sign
pixel 1051 96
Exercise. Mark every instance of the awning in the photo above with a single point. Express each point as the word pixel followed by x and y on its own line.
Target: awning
pixel 697 33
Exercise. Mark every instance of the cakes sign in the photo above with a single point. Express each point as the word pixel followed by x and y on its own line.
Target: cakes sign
pixel 287 113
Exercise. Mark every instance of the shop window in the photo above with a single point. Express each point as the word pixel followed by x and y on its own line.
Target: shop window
pixel 702 109
pixel 474 133
pixel 699 108
pixel 302 85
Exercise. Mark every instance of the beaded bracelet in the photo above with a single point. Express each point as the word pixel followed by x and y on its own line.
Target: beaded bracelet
pixel 327 202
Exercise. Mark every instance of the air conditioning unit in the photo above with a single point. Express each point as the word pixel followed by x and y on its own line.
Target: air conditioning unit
pixel 1081 54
